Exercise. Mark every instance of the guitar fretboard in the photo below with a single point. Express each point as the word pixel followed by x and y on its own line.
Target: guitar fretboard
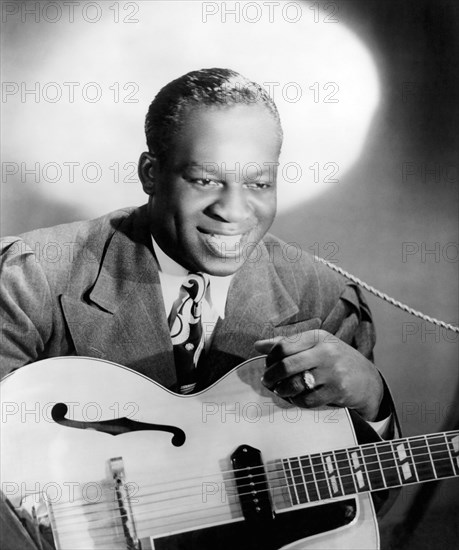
pixel 371 467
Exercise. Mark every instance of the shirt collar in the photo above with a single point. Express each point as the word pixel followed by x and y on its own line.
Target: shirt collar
pixel 166 264
pixel 173 274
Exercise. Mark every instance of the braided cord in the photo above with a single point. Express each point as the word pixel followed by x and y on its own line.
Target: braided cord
pixel 387 298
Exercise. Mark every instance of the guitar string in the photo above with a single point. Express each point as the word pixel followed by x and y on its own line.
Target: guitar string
pixel 208 518
pixel 368 446
pixel 393 464
pixel 290 484
pixel 284 484
pixel 204 510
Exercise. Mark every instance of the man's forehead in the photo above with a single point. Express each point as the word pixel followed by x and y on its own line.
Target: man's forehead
pixel 240 126
pixel 225 111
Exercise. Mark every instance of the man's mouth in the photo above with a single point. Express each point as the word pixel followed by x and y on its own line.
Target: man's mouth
pixel 225 246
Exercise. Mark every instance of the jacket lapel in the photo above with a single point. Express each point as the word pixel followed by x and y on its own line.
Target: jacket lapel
pixel 123 319
pixel 257 305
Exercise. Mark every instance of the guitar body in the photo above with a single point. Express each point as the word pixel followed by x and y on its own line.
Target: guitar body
pixel 175 485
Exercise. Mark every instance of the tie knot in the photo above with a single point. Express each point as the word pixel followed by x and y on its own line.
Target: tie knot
pixel 196 285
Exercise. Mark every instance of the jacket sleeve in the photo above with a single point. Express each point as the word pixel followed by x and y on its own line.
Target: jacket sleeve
pixel 350 320
pixel 26 311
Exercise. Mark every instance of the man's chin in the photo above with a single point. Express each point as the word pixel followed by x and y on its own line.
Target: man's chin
pixel 223 267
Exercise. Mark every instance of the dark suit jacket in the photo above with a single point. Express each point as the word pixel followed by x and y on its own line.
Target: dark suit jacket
pixel 92 288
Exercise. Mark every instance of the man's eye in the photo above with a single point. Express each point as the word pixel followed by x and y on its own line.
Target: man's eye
pixel 203 182
pixel 258 185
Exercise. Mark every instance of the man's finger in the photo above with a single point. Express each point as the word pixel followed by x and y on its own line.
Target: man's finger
pixel 317 398
pixel 288 366
pixel 282 346
pixel 265 346
pixel 303 382
pixel 283 369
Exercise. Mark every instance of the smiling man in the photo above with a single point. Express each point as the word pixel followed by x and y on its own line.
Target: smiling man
pixel 197 257
pixel 214 139
pixel 215 194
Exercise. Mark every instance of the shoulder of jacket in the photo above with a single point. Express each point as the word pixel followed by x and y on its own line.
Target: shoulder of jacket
pixel 291 257
pixel 59 249
pixel 67 233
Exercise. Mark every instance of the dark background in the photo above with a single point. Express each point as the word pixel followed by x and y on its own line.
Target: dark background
pixel 366 222
pixel 375 209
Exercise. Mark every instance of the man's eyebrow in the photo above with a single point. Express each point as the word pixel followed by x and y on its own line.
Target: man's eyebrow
pixel 204 166
pixel 189 164
pixel 208 168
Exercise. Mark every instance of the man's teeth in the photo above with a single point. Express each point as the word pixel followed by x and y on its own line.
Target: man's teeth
pixel 225 244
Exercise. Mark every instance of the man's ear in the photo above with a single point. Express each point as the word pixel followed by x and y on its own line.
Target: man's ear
pixel 148 172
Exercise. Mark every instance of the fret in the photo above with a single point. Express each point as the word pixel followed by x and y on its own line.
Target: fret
pixel 299 482
pixel 332 473
pixel 354 481
pixel 404 461
pixel 358 469
pixel 389 467
pixel 345 472
pixel 439 453
pixel 413 465
pixel 453 447
pixel 421 458
pixel 320 476
pixel 365 466
pixel 430 456
pixel 290 483
pixel 373 467
pixel 309 478
pixel 338 473
pixel 326 476
pixel 303 476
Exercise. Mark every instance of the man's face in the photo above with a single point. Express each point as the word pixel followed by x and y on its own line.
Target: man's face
pixel 216 197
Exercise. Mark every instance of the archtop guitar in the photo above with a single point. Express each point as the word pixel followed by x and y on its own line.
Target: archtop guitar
pixel 119 462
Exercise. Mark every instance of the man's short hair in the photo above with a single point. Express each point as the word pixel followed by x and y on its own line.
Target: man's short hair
pixel 209 87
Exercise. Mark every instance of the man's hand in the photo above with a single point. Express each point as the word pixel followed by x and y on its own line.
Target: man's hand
pixel 341 376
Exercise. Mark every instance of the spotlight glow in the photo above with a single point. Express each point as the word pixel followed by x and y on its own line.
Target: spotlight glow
pixel 322 77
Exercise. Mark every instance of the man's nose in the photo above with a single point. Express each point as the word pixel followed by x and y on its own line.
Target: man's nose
pixel 232 205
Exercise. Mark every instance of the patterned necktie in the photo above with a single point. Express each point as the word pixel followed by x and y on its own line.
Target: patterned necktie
pixel 186 330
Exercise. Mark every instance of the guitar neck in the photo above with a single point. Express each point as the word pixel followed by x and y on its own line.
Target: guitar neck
pixel 371 467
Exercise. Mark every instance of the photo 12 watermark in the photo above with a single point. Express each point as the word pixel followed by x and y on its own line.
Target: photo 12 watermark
pixel 270 12
pixel 267 411
pixel 70 171
pixel 424 412
pixel 429 173
pixel 69 492
pixel 91 411
pixel 424 332
pixel 69 92
pixel 431 252
pixel 71 12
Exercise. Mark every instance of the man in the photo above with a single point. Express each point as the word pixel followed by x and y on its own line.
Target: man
pixel 214 140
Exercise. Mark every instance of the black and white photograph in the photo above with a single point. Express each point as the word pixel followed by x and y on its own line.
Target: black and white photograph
pixel 229 298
